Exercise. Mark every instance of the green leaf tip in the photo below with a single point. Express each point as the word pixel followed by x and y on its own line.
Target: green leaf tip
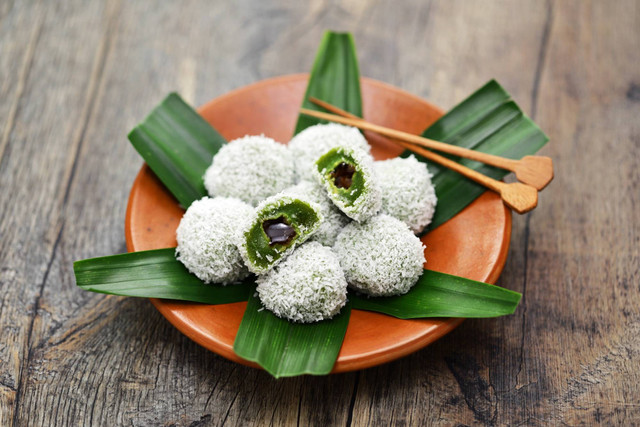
pixel 178 145
pixel 443 295
pixel 286 349
pixel 153 274
pixel 334 78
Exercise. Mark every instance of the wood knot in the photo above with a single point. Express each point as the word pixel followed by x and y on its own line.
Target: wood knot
pixel 633 93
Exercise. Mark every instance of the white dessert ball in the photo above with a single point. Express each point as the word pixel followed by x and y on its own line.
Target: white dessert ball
pixel 308 286
pixel 251 169
pixel 350 181
pixel 407 191
pixel 316 140
pixel 207 237
pixel 380 257
pixel 276 227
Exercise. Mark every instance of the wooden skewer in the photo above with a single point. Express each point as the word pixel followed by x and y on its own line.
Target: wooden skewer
pixel 536 171
pixel 520 197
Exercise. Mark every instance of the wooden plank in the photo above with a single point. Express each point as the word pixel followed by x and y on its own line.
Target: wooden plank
pixel 583 259
pixel 16 56
pixel 43 102
pixel 18 48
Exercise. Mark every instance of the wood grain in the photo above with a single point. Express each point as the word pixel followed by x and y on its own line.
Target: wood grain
pixel 76 76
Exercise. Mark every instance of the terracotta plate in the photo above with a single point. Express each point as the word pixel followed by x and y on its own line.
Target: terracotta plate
pixel 474 244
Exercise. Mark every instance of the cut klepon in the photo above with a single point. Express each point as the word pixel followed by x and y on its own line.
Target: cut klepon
pixel 277 226
pixel 347 175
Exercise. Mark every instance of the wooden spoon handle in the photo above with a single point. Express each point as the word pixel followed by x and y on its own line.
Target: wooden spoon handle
pixel 519 197
pixel 501 162
pixel 536 171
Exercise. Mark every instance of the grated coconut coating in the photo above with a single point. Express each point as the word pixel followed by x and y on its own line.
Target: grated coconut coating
pixel 407 191
pixel 280 200
pixel 308 286
pixel 370 201
pixel 334 220
pixel 206 238
pixel 380 257
pixel 316 140
pixel 251 168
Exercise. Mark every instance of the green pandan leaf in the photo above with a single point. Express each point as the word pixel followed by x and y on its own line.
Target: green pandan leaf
pixel 335 78
pixel 153 274
pixel 443 295
pixel 178 145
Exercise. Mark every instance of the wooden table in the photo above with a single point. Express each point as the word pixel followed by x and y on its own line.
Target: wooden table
pixel 76 76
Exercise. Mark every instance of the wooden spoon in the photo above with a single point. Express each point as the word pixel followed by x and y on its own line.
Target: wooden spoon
pixel 536 171
pixel 520 197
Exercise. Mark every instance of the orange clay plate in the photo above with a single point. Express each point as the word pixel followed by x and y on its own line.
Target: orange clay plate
pixel 473 244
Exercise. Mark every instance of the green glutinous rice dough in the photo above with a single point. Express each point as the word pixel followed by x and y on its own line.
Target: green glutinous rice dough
pixel 348 177
pixel 316 140
pixel 207 237
pixel 276 227
pixel 308 286
pixel 333 220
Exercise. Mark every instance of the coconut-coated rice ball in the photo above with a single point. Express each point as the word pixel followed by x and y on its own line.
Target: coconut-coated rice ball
pixel 276 227
pixel 380 257
pixel 407 191
pixel 316 140
pixel 350 181
pixel 207 237
pixel 333 220
pixel 251 169
pixel 308 286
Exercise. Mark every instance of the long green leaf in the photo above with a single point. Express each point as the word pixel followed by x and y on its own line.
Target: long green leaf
pixel 286 349
pixel 487 121
pixel 153 274
pixel 178 145
pixel 335 78
pixel 443 295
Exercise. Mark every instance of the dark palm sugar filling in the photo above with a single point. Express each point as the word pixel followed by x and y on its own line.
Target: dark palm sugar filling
pixel 279 231
pixel 343 175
